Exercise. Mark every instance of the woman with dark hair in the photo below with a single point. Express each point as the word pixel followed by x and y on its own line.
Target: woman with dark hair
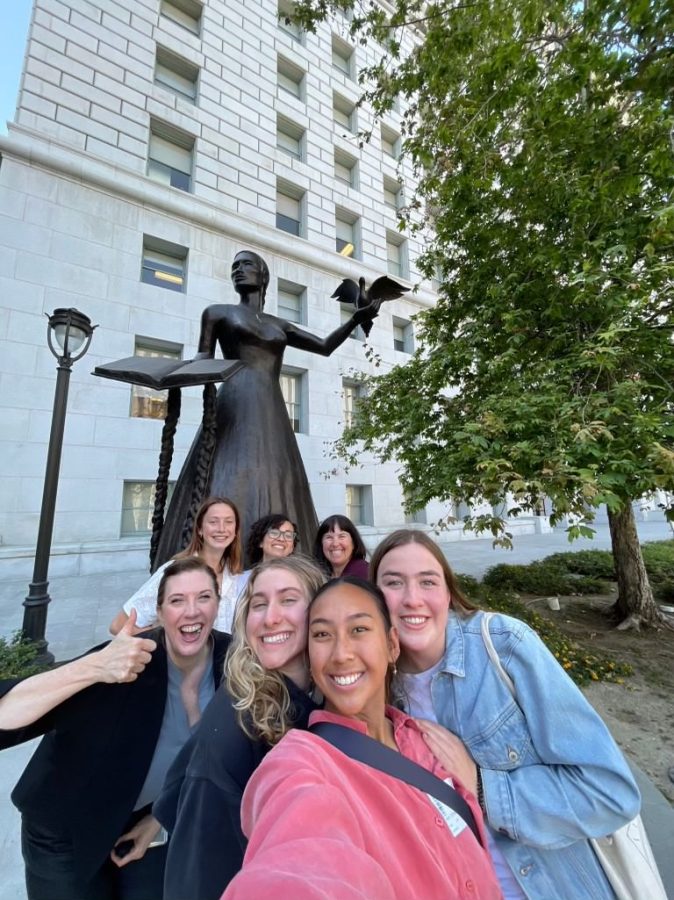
pixel 112 720
pixel 256 459
pixel 271 537
pixel 322 823
pixel 521 736
pixel 265 693
pixel 339 548
pixel 216 539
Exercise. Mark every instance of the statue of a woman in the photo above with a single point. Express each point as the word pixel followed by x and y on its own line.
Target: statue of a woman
pixel 256 460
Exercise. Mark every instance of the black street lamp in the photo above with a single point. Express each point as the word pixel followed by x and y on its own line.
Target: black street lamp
pixel 71 331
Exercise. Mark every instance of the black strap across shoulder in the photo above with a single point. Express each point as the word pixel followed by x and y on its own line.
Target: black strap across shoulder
pixel 366 750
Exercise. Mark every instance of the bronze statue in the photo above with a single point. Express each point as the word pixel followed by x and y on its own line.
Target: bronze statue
pixel 255 460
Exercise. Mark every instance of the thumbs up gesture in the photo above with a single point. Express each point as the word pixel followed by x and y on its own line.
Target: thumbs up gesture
pixel 125 656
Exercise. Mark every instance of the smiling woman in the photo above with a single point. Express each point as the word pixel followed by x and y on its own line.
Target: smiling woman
pixel 266 692
pixel 112 722
pixel 381 837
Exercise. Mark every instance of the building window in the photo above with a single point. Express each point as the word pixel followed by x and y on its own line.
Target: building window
pixel 346 311
pixel 137 507
pixel 291 303
pixel 390 142
pixel 170 154
pixel 403 336
pixel 416 518
pixel 346 168
pixel 346 234
pixel 285 10
pixel 290 78
pixel 164 264
pixel 392 193
pixel 359 504
pixel 176 74
pixel 292 383
pixel 147 403
pixel 396 255
pixel 183 12
pixel 289 208
pixel 351 394
pixel 342 56
pixel 289 137
pixel 344 113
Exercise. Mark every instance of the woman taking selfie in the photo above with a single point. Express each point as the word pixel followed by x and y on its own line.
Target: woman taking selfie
pixel 546 771
pixel 216 539
pixel 265 692
pixel 323 824
pixel 112 722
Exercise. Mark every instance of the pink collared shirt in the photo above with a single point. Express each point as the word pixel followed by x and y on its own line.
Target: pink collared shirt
pixel 321 825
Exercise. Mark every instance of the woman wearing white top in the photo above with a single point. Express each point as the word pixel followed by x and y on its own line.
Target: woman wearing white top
pixel 216 539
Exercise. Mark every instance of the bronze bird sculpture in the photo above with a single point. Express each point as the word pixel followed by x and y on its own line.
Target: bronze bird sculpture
pixel 381 289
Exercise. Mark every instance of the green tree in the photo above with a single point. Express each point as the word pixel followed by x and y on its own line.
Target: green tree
pixel 540 133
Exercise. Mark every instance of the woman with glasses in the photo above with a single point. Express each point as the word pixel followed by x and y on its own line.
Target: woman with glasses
pixel 271 537
pixel 339 548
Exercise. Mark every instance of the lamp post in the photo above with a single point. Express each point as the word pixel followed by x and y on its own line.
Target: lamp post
pixel 69 336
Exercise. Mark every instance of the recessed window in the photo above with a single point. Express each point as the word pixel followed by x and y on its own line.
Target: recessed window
pixel 290 78
pixel 392 193
pixel 183 12
pixel 344 113
pixel 291 303
pixel 390 142
pixel 342 56
pixel 396 254
pixel 170 154
pixel 416 518
pixel 346 234
pixel 359 504
pixel 403 336
pixel 147 403
pixel 346 311
pixel 138 507
pixel 176 74
pixel 285 10
pixel 292 384
pixel 346 168
pixel 290 137
pixel 164 264
pixel 351 394
pixel 289 208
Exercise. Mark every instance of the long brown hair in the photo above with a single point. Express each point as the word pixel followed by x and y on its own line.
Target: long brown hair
pixel 232 557
pixel 403 536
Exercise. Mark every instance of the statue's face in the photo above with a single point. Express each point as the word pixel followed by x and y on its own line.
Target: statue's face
pixel 246 272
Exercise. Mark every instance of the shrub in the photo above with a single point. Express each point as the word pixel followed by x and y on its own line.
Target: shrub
pixel 542 578
pixel 17 657
pixel 594 563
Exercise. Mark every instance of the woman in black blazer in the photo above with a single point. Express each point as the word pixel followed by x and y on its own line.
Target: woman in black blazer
pixel 113 721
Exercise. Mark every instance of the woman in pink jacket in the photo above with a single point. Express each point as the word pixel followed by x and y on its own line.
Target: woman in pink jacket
pixel 322 824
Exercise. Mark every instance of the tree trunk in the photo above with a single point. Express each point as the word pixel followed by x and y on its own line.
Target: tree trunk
pixel 635 605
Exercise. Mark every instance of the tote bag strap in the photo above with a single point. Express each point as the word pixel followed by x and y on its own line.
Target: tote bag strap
pixel 493 655
pixel 372 753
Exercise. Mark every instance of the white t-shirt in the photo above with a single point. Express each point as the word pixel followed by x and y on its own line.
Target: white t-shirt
pixel 144 601
pixel 418 701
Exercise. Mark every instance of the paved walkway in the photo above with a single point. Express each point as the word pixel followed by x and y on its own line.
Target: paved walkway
pixel 82 608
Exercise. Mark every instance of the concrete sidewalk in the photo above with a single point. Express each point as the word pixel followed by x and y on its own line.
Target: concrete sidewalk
pixel 82 608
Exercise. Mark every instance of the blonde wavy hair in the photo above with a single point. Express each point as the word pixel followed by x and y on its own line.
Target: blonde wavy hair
pixel 260 695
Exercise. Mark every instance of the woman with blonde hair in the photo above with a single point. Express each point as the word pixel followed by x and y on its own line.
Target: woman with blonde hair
pixel 517 731
pixel 216 539
pixel 265 692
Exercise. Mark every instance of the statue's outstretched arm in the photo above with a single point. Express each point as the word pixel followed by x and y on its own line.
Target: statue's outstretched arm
pixel 305 340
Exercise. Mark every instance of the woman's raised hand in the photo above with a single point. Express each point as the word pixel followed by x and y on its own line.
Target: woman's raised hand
pixel 450 752
pixel 125 656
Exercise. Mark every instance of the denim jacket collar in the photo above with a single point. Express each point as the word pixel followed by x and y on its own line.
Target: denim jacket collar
pixel 454 661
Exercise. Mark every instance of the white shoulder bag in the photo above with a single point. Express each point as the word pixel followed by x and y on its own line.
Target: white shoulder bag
pixel 626 855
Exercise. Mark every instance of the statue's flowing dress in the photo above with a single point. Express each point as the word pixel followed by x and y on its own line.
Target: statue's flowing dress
pixel 256 461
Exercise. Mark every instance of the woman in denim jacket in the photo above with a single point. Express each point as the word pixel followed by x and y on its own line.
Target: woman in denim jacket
pixel 544 767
